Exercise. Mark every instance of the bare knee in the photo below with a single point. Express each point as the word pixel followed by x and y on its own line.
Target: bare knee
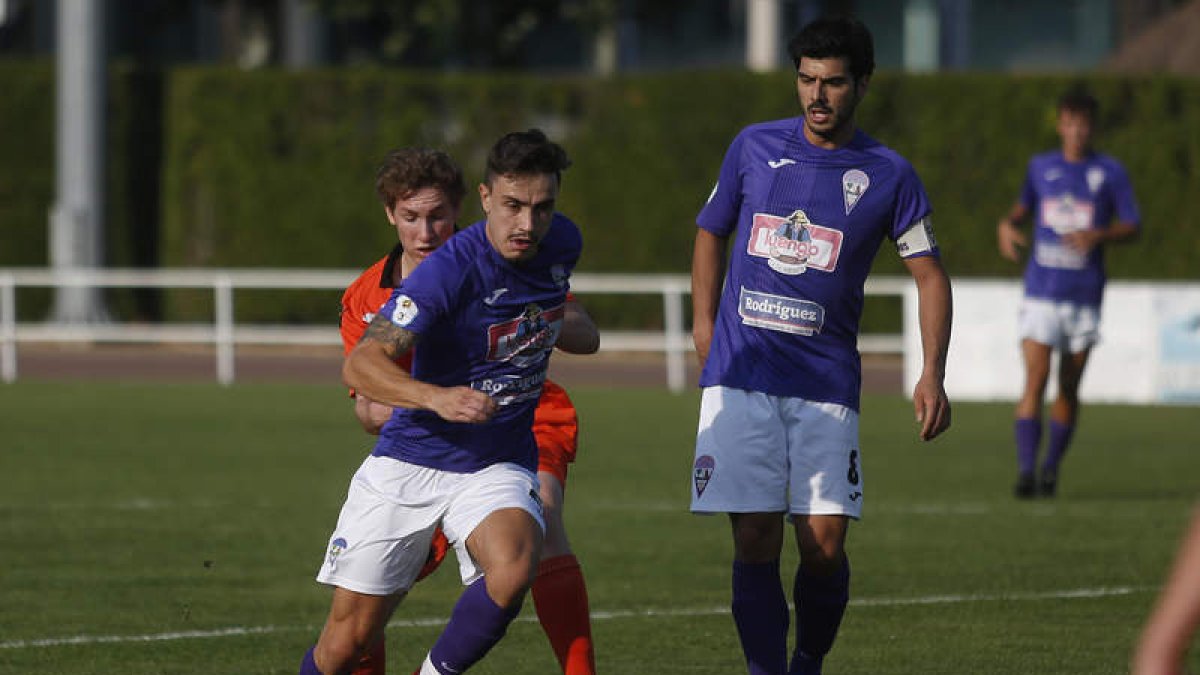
pixel 555 542
pixel 335 654
pixel 507 547
pixel 355 622
pixel 508 582
pixel 757 537
pixel 821 540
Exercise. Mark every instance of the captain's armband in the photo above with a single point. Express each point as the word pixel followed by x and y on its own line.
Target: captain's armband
pixel 917 239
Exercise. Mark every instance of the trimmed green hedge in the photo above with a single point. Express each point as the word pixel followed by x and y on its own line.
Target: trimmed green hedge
pixel 219 167
pixel 26 161
pixel 133 137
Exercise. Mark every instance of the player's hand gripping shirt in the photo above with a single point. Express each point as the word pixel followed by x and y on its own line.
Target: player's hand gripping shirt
pixel 488 324
pixel 807 223
pixel 1069 197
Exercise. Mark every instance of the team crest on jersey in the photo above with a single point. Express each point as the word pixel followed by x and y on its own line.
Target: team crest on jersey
pixel 794 244
pixel 526 339
pixel 1094 178
pixel 702 472
pixel 854 185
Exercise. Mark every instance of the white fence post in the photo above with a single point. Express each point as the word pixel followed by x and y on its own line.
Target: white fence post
pixel 674 337
pixel 8 328
pixel 223 337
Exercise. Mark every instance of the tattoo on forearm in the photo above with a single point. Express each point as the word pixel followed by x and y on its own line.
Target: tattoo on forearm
pixel 395 340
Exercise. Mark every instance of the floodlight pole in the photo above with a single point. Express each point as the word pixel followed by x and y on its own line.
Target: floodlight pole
pixel 77 216
pixel 762 35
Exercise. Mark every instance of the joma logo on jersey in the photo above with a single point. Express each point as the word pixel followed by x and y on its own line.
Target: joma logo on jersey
pixel 794 244
pixel 527 338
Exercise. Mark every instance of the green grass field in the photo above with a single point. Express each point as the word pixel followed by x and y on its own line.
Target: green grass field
pixel 176 529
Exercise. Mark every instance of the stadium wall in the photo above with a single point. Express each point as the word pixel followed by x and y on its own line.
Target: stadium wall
pixel 217 167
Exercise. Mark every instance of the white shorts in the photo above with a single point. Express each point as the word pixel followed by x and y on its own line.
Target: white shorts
pixel 393 508
pixel 1062 325
pixel 757 453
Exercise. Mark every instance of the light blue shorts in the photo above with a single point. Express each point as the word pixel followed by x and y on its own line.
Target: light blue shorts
pixel 757 453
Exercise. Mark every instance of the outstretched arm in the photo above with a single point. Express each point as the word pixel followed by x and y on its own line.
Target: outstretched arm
pixel 371 368
pixel 930 403
pixel 1176 616
pixel 708 270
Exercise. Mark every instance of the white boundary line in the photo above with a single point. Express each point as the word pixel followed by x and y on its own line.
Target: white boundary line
pixel 239 631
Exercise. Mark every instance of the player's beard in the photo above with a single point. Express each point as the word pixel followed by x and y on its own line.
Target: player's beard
pixel 839 122
pixel 836 124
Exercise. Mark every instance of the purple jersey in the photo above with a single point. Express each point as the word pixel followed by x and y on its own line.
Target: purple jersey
pixel 808 223
pixel 1068 197
pixel 488 324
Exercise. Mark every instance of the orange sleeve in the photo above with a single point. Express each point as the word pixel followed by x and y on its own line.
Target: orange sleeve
pixel 363 297
pixel 361 300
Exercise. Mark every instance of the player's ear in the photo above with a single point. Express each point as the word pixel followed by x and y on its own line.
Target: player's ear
pixel 390 216
pixel 861 83
pixel 484 194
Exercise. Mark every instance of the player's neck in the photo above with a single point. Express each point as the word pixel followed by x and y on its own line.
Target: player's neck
pixel 835 139
pixel 1077 154
pixel 405 268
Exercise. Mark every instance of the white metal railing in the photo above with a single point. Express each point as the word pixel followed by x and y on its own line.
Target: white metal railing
pixel 224 334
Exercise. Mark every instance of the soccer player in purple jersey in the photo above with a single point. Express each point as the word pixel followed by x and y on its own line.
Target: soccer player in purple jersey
pixel 1079 201
pixel 481 315
pixel 806 203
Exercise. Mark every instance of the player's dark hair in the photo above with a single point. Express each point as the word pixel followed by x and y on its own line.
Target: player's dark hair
pixel 1079 100
pixel 406 170
pixel 524 153
pixel 836 37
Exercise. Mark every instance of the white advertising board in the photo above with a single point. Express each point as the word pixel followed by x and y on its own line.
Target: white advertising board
pixel 1149 349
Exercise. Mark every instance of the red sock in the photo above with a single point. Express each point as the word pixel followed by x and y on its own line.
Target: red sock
pixel 560 597
pixel 374 662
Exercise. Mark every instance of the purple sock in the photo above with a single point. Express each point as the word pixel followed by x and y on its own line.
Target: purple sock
pixel 476 625
pixel 307 665
pixel 1056 447
pixel 1028 431
pixel 820 603
pixel 761 613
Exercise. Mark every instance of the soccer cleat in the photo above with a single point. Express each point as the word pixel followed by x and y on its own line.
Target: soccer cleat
pixel 1025 487
pixel 802 664
pixel 1047 484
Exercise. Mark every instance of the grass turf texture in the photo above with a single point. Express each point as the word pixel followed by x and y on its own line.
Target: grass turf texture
pixel 176 529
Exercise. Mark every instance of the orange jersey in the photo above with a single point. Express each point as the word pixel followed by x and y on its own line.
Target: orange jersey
pixel 555 424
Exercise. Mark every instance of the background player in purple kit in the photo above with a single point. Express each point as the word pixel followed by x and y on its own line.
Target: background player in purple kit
pixel 1079 200
pixel 778 432
pixel 459 451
